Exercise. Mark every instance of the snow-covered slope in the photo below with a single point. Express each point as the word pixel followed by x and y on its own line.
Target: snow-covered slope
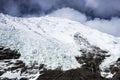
pixel 69 13
pixel 50 40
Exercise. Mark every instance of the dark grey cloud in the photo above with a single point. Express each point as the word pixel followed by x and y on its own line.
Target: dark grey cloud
pixel 92 8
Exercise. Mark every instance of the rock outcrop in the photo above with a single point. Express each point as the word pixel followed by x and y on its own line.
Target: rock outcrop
pixel 7 53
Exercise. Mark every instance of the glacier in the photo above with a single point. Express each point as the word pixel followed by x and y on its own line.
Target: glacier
pixel 50 40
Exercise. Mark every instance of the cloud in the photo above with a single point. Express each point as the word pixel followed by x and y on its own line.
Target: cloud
pixel 108 26
pixel 94 8
pixel 11 8
pixel 104 8
pixel 91 3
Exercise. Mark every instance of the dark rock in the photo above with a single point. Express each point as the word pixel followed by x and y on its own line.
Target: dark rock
pixel 18 62
pixel 118 59
pixel 7 53
pixel 1 47
pixel 49 74
pixel 17 66
pixel 73 74
pixel 116 76
pixel 2 72
pixel 24 79
pixel 41 66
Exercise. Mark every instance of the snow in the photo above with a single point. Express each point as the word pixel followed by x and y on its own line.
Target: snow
pixel 107 75
pixel 11 75
pixel 69 13
pixel 36 41
pixel 17 75
pixel 50 40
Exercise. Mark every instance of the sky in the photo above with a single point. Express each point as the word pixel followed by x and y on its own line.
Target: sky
pixel 94 11
pixel 95 8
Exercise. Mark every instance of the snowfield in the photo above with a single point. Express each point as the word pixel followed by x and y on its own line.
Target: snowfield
pixel 50 40
pixel 69 13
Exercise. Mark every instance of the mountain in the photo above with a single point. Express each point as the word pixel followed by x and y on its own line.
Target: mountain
pixel 52 41
pixel 69 13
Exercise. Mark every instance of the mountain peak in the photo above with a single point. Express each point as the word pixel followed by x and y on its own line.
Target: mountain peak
pixel 53 41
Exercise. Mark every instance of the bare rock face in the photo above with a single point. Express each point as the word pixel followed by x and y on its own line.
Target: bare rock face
pixel 73 74
pixel 7 53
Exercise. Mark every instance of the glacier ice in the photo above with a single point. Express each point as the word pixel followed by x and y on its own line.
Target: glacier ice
pixel 50 40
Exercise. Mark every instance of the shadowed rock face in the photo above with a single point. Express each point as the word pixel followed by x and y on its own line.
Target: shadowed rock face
pixel 7 53
pixel 73 74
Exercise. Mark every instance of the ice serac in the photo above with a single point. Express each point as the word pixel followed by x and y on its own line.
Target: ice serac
pixel 50 41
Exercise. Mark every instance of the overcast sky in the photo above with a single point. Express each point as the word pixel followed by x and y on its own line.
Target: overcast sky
pixel 100 8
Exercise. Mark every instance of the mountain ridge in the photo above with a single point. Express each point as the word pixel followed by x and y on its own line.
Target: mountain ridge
pixel 50 40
